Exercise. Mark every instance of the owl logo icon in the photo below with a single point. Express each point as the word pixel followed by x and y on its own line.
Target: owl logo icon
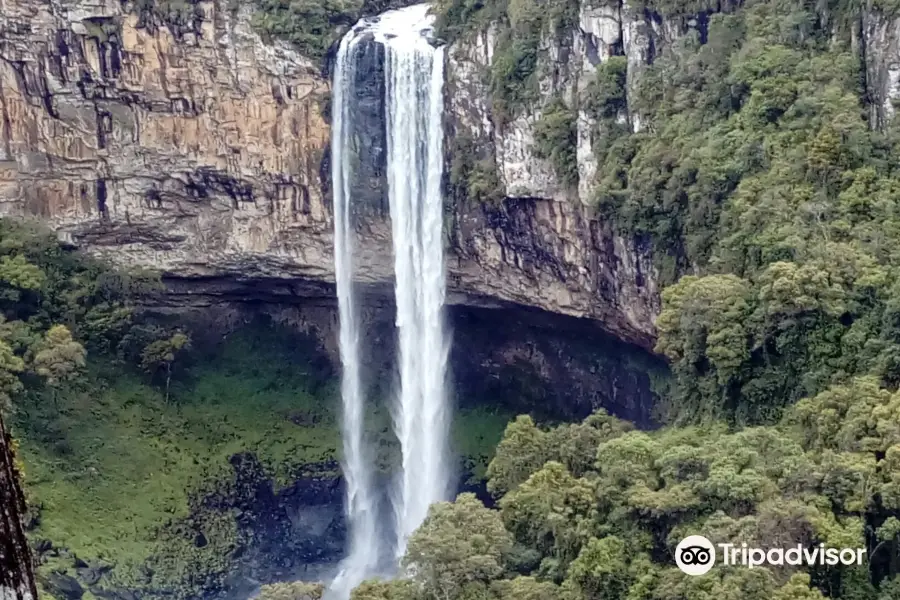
pixel 695 555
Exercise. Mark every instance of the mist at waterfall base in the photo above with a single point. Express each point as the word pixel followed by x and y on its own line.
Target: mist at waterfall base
pixel 413 72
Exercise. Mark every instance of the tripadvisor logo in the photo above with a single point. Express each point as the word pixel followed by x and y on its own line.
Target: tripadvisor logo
pixel 696 555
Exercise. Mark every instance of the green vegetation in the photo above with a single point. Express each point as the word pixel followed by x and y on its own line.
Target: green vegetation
pixel 555 139
pixel 475 434
pixel 179 15
pixel 594 510
pixel 311 25
pixel 297 590
pixel 756 167
pixel 754 171
pixel 113 470
pixel 605 97
pixel 773 207
pixel 114 433
pixel 126 423
pixel 473 172
pixel 522 24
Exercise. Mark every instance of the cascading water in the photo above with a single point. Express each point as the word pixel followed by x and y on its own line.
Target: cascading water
pixel 360 496
pixel 415 75
pixel 413 72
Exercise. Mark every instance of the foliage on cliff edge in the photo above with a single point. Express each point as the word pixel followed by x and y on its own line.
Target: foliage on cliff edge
pixel 744 153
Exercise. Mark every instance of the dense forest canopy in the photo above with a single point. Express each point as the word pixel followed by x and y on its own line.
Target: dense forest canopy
pixel 594 510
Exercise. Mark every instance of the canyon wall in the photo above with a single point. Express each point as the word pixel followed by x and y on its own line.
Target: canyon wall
pixel 199 150
pixel 196 148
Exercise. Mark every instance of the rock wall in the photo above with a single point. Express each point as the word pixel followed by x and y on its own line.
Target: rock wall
pixel 16 576
pixel 193 150
pixel 202 151
pixel 544 238
pixel 878 40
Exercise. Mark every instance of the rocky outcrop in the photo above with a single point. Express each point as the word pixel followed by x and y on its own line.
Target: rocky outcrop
pixel 878 40
pixel 201 151
pixel 197 149
pixel 16 576
pixel 544 239
pixel 567 64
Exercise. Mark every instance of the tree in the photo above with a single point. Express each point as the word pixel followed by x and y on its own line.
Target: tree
pixel 525 588
pixel 161 354
pixel 397 589
pixel 551 512
pixel 575 445
pixel 294 590
pixel 703 329
pixel 10 366
pixel 600 571
pixel 460 544
pixel 797 588
pixel 17 275
pixel 523 449
pixel 59 357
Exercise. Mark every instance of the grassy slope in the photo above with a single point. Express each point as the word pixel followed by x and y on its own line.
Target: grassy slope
pixel 113 462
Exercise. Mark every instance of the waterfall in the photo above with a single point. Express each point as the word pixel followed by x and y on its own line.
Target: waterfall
pixel 413 103
pixel 415 77
pixel 360 496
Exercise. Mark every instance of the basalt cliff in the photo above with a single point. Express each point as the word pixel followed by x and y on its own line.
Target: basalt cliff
pixel 199 150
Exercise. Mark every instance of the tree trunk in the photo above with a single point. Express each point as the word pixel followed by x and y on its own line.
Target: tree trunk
pixel 168 379
pixel 16 576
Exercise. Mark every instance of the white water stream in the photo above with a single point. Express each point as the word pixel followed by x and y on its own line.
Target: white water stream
pixel 360 507
pixel 414 78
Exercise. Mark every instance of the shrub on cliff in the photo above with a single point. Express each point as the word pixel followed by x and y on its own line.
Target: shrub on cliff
pixel 311 25
pixel 556 140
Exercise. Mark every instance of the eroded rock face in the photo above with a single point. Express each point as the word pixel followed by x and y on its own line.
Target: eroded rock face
pixel 195 151
pixel 16 576
pixel 879 43
pixel 202 151
pixel 544 240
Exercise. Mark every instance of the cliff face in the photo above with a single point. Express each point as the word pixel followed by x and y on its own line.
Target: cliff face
pixel 878 41
pixel 544 239
pixel 16 577
pixel 195 151
pixel 200 150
